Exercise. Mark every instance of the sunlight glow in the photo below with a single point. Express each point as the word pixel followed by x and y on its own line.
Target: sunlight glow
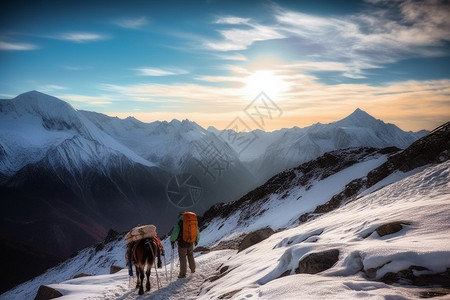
pixel 265 81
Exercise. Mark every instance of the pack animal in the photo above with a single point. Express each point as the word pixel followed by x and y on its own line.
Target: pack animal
pixel 145 253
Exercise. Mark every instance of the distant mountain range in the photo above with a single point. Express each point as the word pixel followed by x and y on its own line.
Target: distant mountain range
pixel 349 219
pixel 67 176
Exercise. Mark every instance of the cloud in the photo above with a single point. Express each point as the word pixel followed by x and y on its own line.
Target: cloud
pixel 86 101
pixel 304 101
pixel 387 32
pixel 232 20
pixel 237 57
pixel 81 37
pixel 52 88
pixel 392 31
pixel 160 72
pixel 17 46
pixel 240 39
pixel 132 23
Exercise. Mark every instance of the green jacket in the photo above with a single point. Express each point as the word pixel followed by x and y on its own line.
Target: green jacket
pixel 177 230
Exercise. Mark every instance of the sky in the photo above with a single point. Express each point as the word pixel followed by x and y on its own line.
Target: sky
pixel 294 63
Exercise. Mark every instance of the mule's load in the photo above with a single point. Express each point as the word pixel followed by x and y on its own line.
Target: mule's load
pixel 140 232
pixel 189 227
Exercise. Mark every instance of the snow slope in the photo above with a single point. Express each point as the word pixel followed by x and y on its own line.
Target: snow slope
pixel 422 200
pixel 419 198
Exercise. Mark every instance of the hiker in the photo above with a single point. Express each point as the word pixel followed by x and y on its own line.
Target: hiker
pixel 186 233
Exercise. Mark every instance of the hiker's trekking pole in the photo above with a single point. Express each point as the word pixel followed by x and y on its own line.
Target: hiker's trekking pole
pixel 171 263
pixel 165 266
pixel 158 282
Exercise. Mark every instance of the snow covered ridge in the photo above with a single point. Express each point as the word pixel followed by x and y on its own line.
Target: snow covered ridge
pixel 67 176
pixel 324 184
pixel 361 260
pixel 394 231
pixel 294 184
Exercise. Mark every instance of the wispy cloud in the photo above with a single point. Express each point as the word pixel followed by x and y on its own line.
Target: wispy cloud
pixel 304 100
pixel 132 23
pixel 232 20
pixel 160 72
pixel 84 100
pixel 240 39
pixel 17 46
pixel 81 37
pixel 237 57
pixel 390 32
pixel 52 88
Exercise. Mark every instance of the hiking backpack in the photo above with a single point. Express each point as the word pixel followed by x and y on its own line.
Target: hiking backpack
pixel 189 227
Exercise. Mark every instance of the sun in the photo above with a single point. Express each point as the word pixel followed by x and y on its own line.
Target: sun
pixel 267 81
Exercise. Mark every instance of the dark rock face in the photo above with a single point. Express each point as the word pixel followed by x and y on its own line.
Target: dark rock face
pixel 111 236
pixel 303 175
pixel 390 228
pixel 202 249
pixel 81 275
pixel 46 293
pixel 114 269
pixel 407 276
pixel 255 237
pixel 432 148
pixel 318 262
pixel 351 189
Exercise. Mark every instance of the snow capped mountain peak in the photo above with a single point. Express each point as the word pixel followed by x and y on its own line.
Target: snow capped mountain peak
pixel 40 103
pixel 358 118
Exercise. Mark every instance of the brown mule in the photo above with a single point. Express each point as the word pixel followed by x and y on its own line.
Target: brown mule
pixel 145 253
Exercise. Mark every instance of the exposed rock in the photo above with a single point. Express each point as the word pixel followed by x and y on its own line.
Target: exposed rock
pixel 350 190
pixel 407 276
pixel 318 262
pixel 111 236
pixel 201 249
pixel 303 175
pixel 255 237
pixel 434 292
pixel 432 148
pixel 223 271
pixel 229 244
pixel 45 293
pixel 285 273
pixel 114 269
pixel 229 295
pixel 390 228
pixel 81 275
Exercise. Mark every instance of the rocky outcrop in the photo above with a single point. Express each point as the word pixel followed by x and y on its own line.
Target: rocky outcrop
pixel 46 293
pixel 255 237
pixel 114 269
pixel 80 275
pixel 407 277
pixel 303 175
pixel 432 148
pixel 317 262
pixel 390 228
